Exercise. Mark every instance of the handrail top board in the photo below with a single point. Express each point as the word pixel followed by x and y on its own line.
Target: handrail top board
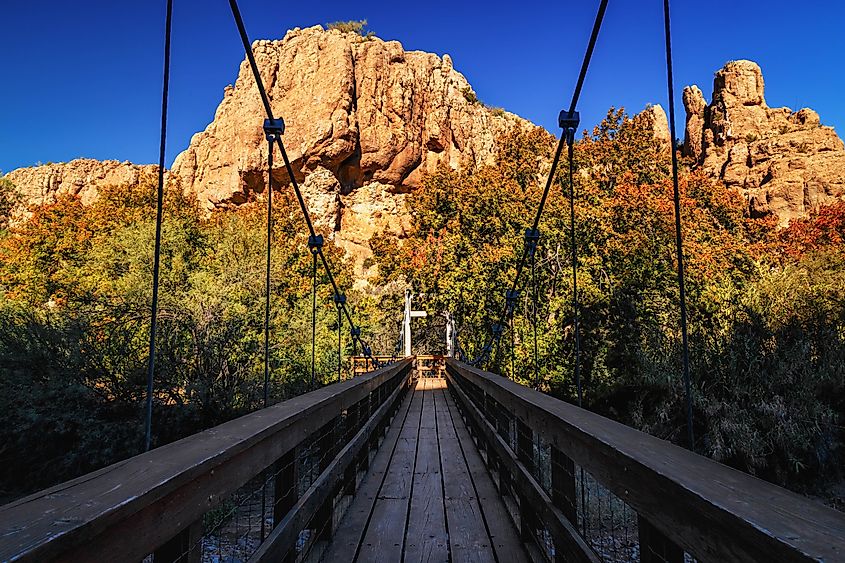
pixel 789 519
pixel 94 501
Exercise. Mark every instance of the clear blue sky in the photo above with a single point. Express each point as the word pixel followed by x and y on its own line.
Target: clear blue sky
pixel 83 78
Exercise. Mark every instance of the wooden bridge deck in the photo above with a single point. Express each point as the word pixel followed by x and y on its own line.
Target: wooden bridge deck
pixel 428 495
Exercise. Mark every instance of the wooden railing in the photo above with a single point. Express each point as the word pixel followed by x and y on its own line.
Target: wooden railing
pixel 362 364
pixel 426 365
pixel 431 366
pixel 573 479
pixel 301 458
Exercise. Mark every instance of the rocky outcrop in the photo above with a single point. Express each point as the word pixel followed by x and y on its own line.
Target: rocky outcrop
pixel 82 177
pixel 786 163
pixel 365 119
pixel 655 119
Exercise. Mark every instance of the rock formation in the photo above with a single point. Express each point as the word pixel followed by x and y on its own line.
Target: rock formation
pixel 655 118
pixel 83 177
pixel 786 163
pixel 365 119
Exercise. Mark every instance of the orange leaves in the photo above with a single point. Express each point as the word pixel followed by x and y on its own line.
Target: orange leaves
pixel 824 230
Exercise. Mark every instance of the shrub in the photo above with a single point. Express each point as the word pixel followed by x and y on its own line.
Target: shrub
pixel 351 26
pixel 469 95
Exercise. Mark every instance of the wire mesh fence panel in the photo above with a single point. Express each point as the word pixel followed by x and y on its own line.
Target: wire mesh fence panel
pixel 605 521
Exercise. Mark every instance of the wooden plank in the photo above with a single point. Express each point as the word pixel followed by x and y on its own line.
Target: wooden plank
pixel 321 493
pixel 523 484
pixel 716 513
pixel 468 536
pixel 385 535
pixel 351 530
pixel 503 534
pixel 129 509
pixel 426 539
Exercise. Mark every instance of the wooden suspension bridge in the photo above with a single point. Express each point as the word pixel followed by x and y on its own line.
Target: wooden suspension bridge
pixel 450 464
pixel 418 459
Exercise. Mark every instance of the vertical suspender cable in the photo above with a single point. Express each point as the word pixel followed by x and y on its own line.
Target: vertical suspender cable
pixel 270 139
pixel 159 208
pixel 513 351
pixel 313 316
pixel 265 100
pixel 575 313
pixel 678 239
pixel 339 343
pixel 556 158
pixel 534 316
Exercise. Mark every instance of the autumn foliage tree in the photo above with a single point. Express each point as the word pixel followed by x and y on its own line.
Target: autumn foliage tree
pixel 767 379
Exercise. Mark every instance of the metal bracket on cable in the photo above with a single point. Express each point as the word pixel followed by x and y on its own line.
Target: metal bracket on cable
pixel 532 236
pixel 339 299
pixel 355 331
pixel 497 331
pixel 315 243
pixel 568 121
pixel 274 128
pixel 511 297
pixel 485 353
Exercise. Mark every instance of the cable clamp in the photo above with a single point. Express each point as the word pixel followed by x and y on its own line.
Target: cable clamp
pixel 531 238
pixel 315 242
pixel 355 331
pixel 511 298
pixel 274 128
pixel 339 298
pixel 497 331
pixel 568 121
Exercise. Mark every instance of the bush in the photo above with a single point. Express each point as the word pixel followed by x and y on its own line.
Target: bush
pixel 469 95
pixel 351 26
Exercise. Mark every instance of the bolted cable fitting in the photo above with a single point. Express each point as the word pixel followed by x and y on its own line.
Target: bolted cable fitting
pixel 274 128
pixel 339 299
pixel 355 331
pixel 497 331
pixel 511 297
pixel 568 121
pixel 531 238
pixel 315 243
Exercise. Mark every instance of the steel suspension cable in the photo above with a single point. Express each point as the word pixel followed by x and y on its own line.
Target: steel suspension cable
pixel 574 248
pixel 585 64
pixel 148 424
pixel 270 139
pixel 339 342
pixel 678 235
pixel 313 315
pixel 265 100
pixel 534 318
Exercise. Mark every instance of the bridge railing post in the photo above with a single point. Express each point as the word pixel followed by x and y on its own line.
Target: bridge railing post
pixel 285 489
pixel 326 446
pixel 525 455
pixel 185 547
pixel 656 547
pixel 351 427
pixel 563 490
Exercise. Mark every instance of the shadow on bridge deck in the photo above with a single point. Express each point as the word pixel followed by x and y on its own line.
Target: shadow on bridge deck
pixel 428 495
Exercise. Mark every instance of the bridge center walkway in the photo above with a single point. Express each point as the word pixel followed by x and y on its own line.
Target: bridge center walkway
pixel 427 495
